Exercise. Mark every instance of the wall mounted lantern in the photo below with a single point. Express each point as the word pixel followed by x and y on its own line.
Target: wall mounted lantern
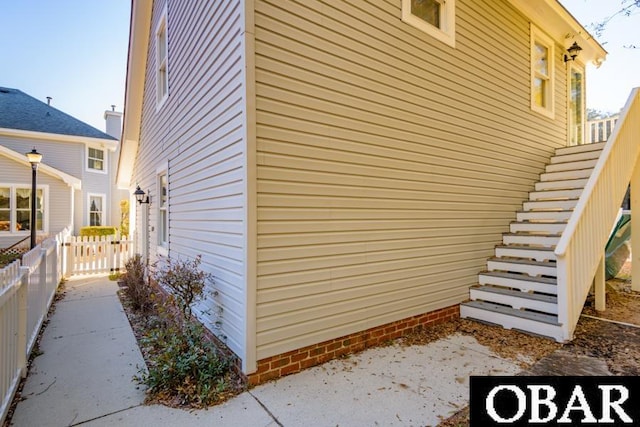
pixel 140 196
pixel 34 158
pixel 573 50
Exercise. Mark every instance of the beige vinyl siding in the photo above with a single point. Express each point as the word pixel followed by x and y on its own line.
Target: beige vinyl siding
pixel 389 163
pixel 57 203
pixel 198 133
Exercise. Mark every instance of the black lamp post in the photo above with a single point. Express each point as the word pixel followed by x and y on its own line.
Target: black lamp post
pixel 34 158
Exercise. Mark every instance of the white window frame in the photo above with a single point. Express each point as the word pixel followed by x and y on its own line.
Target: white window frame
pixel 104 205
pixel 105 157
pixel 446 33
pixel 162 245
pixel 538 37
pixel 162 63
pixel 13 216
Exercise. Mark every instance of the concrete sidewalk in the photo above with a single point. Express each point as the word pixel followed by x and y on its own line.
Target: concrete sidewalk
pixel 84 377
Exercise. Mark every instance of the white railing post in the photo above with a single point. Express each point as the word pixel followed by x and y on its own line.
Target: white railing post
pixel 22 321
pixel 600 286
pixel 69 249
pixel 43 281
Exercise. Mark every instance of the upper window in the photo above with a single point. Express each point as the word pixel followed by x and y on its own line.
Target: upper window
pixel 434 17
pixel 542 65
pixel 96 160
pixel 162 75
pixel 96 209
pixel 15 208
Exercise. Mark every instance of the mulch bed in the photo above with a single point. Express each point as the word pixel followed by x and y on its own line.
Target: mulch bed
pixel 617 345
pixel 140 324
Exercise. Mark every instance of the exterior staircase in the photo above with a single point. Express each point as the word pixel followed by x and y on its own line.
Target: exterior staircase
pixel 519 288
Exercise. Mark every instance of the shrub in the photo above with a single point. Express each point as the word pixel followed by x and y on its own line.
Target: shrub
pixel 183 365
pixel 136 286
pixel 98 231
pixel 184 279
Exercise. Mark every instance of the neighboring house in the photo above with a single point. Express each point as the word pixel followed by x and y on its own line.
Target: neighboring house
pixel 76 185
pixel 345 169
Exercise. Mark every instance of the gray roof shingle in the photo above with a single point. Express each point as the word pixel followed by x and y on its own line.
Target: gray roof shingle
pixel 21 111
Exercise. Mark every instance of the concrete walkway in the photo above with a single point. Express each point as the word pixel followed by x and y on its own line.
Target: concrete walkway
pixel 90 354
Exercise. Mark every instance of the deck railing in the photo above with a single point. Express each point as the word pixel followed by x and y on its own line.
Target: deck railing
pixel 581 246
pixel 599 130
pixel 27 289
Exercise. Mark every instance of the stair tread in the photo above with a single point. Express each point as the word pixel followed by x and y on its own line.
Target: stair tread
pixel 550 222
pixel 527 233
pixel 522 261
pixel 523 277
pixel 534 211
pixel 565 161
pixel 526 247
pixel 538 317
pixel 549 201
pixel 580 148
pixel 517 294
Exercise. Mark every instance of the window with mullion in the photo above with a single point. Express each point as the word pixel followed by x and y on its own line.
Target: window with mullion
pixel 95 159
pixel 163 220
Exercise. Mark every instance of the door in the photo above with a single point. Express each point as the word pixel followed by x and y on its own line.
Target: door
pixel 576 104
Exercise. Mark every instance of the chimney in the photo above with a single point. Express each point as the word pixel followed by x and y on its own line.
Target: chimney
pixel 113 120
pixel 49 100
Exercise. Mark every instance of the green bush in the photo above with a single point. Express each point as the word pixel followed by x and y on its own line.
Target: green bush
pixel 98 231
pixel 183 365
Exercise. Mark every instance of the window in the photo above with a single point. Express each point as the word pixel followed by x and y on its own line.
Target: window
pixel 5 209
pixel 434 17
pixel 96 160
pixel 15 208
pixel 96 209
pixel 162 76
pixel 163 221
pixel 542 64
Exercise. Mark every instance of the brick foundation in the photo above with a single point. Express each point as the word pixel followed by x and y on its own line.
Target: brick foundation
pixel 302 358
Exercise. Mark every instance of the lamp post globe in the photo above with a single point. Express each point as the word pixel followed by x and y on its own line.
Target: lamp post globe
pixel 34 158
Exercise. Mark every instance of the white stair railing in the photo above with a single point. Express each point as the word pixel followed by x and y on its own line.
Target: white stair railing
pixel 581 246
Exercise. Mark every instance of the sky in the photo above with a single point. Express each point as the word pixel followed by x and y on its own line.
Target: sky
pixel 75 51
pixel 608 87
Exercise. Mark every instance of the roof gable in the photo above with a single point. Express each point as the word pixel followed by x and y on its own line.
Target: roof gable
pixel 71 181
pixel 21 111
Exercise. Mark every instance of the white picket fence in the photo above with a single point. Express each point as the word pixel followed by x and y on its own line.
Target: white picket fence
pixel 27 289
pixel 92 254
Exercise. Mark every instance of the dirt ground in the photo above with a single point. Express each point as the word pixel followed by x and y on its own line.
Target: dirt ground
pixel 598 341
